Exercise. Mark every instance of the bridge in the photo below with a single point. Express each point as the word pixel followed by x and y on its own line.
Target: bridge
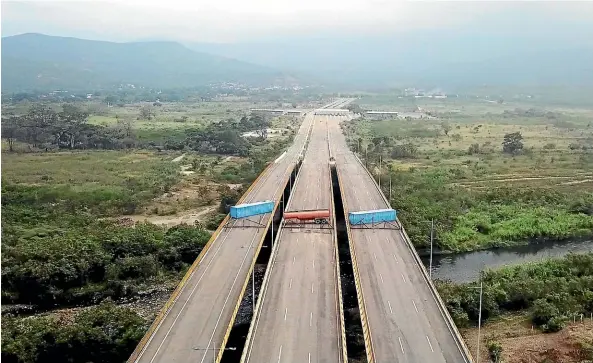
pixel 299 316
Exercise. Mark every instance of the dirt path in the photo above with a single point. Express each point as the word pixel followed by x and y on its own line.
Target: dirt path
pixel 522 344
pixel 187 217
pixel 178 159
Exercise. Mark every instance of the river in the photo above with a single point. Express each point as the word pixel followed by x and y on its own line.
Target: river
pixel 465 267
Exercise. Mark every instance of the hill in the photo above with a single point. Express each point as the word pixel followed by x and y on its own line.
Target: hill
pixel 36 61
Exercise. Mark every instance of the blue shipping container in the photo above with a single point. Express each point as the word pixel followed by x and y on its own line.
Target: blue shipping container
pixel 372 216
pixel 251 209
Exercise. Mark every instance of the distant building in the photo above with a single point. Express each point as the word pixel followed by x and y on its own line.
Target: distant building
pixel 381 115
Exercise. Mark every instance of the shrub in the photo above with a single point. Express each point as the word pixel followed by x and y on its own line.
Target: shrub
pixel 495 351
pixel 543 312
pixel 549 146
pixel 104 333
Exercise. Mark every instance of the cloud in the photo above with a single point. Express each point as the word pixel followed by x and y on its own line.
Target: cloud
pixel 238 20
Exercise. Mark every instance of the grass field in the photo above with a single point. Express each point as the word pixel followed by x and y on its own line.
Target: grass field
pixel 482 197
pixel 84 168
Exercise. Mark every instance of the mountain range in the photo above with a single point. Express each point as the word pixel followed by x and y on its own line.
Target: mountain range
pixel 447 59
pixel 454 58
pixel 36 61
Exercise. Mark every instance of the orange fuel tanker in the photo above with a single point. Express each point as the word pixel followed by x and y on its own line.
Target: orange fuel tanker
pixel 318 216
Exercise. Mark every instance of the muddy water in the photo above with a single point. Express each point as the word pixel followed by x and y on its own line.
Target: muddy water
pixel 465 267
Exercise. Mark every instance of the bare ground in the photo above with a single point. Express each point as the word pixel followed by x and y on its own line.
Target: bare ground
pixel 522 344
pixel 187 217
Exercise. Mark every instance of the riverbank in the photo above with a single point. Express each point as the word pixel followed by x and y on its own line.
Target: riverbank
pixel 466 267
pixel 552 291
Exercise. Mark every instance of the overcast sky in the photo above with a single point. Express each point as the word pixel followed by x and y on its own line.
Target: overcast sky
pixel 248 20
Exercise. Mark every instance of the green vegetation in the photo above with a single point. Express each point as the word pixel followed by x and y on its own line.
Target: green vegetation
pixel 104 333
pixel 488 180
pixel 553 290
pixel 55 250
pixel 49 183
pixel 73 185
pixel 79 266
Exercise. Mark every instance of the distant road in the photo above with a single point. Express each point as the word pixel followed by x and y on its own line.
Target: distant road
pixel 404 320
pixel 299 320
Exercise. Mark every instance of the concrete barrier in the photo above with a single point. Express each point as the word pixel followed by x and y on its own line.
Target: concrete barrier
pixel 440 304
pixel 366 332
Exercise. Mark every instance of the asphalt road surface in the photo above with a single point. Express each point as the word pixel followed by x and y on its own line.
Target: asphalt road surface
pixel 298 320
pixel 195 325
pixel 405 322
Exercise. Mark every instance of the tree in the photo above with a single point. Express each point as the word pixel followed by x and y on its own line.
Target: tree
pixel 512 143
pixel 261 125
pixel 146 112
pixel 446 128
pixel 11 128
pixel 473 149
pixel 71 125
pixel 37 123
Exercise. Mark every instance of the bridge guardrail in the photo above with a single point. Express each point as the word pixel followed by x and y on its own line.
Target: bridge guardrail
pixel 165 309
pixel 441 305
pixel 251 268
pixel 366 332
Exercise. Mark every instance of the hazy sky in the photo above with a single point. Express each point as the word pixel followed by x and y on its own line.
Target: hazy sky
pixel 240 20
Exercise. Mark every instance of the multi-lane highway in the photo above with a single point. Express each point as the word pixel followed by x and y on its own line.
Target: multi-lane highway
pixel 193 327
pixel 404 320
pixel 298 316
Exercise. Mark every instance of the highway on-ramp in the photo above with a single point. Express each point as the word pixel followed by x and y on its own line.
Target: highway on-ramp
pixel 298 316
pixel 193 326
pixel 404 319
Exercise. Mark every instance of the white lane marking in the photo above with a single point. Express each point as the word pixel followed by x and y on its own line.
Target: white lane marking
pixel 311 319
pixel 293 260
pixel 388 302
pixel 186 301
pixel 396 260
pixel 430 345
pixel 381 276
pixel 413 302
pixel 280 354
pixel 227 299
pixel 403 278
pixel 374 254
pixel 285 312
pixel 311 288
pixel 309 357
pixel 290 284
pixel 401 345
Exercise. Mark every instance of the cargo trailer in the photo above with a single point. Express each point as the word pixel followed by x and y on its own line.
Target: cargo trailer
pixel 251 209
pixel 317 216
pixel 372 217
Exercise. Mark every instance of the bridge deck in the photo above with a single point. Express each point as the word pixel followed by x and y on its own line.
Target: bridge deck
pixel 298 318
pixel 197 322
pixel 404 320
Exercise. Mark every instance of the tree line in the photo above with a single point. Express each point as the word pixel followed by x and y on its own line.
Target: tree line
pixel 42 127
